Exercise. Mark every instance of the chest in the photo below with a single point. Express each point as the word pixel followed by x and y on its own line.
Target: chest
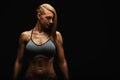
pixel 39 39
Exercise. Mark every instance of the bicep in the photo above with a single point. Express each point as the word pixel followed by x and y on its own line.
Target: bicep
pixel 20 50
pixel 60 49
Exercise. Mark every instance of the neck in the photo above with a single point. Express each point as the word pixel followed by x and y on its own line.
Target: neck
pixel 38 27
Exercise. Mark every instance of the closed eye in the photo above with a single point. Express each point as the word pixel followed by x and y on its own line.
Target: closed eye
pixel 49 17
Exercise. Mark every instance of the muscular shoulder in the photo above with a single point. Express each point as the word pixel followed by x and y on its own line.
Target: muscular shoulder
pixel 59 37
pixel 25 35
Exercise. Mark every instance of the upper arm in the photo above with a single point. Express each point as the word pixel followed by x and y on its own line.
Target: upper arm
pixel 60 49
pixel 21 46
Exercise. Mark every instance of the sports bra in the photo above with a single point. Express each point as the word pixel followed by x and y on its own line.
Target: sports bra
pixel 47 49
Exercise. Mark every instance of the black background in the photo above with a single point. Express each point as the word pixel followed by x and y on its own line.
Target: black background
pixel 86 27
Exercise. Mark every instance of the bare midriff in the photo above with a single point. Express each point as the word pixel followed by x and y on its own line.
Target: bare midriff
pixel 40 66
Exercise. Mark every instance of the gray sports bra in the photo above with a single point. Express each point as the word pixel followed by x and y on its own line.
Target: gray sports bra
pixel 46 49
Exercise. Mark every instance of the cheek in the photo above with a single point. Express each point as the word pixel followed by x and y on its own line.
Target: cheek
pixel 44 21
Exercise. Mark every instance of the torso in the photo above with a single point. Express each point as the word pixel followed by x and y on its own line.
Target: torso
pixel 40 52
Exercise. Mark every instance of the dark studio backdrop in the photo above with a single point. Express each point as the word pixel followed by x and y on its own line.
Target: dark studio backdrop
pixel 86 28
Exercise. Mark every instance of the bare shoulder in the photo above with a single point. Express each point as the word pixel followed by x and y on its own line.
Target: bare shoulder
pixel 25 35
pixel 59 37
pixel 58 34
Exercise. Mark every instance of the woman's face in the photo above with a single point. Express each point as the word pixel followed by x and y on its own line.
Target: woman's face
pixel 46 19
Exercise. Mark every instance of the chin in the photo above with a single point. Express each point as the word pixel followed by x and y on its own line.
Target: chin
pixel 47 27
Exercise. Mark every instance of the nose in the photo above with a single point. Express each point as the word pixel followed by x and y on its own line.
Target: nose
pixel 51 21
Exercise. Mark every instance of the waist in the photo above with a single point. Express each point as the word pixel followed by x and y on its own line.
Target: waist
pixel 40 73
pixel 40 66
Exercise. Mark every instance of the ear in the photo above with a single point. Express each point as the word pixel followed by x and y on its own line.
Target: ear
pixel 38 15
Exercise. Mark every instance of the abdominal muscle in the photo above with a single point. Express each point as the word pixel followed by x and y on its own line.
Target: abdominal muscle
pixel 40 67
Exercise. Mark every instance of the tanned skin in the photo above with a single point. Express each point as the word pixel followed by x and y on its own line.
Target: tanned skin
pixel 41 66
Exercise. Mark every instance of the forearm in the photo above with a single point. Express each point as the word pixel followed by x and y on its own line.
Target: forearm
pixel 64 70
pixel 17 69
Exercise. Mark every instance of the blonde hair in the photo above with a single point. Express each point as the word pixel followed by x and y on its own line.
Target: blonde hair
pixel 47 6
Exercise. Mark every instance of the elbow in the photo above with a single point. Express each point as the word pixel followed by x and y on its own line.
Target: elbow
pixel 63 63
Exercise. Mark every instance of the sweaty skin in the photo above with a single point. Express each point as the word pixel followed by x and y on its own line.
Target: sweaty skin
pixel 42 56
pixel 37 47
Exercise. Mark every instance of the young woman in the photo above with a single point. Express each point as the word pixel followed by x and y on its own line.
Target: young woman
pixel 38 47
